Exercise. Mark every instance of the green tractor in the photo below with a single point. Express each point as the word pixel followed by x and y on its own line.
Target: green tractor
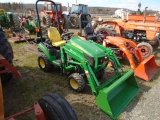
pixel 86 61
pixel 9 20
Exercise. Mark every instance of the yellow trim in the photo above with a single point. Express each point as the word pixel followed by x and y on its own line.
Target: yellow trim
pixel 73 83
pixel 42 63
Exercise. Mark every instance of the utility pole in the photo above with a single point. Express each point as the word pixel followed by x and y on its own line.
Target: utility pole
pixel 76 1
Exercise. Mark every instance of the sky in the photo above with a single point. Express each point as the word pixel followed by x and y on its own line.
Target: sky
pixel 130 4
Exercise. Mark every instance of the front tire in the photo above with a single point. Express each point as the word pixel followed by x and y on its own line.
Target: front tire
pixel 76 82
pixel 146 49
pixel 44 63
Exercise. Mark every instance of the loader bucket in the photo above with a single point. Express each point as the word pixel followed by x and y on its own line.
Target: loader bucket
pixel 113 99
pixel 146 69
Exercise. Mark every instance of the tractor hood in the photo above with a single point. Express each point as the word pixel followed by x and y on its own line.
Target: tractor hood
pixel 88 47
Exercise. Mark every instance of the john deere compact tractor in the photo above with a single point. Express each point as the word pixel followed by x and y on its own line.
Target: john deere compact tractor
pixel 87 61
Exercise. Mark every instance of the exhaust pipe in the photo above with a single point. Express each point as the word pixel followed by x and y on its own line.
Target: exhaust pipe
pixel 144 20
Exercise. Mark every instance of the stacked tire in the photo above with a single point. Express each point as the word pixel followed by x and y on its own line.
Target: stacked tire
pixel 7 53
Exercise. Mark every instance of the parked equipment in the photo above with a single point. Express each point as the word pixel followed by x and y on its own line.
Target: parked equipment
pixel 123 48
pixel 9 20
pixel 50 13
pixel 75 12
pixel 145 33
pixel 29 24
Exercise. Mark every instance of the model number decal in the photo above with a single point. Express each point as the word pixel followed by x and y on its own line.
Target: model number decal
pixel 152 28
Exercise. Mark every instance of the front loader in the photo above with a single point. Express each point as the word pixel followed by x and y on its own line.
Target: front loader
pixel 124 48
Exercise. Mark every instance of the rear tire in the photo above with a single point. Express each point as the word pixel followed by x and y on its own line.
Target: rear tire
pixel 55 107
pixel 146 49
pixel 105 29
pixel 46 20
pixel 44 64
pixel 16 23
pixel 74 21
pixel 6 52
pixel 76 82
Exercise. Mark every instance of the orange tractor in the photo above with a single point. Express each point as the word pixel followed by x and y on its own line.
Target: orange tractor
pixel 123 48
pixel 144 30
pixel 49 18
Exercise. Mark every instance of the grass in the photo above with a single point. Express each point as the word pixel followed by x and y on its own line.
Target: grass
pixel 22 93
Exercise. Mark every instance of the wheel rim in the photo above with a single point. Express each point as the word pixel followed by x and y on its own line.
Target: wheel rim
pixel 42 63
pixel 144 50
pixel 73 83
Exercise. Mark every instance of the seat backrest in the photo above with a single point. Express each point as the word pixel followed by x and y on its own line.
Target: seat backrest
pixel 88 30
pixel 54 35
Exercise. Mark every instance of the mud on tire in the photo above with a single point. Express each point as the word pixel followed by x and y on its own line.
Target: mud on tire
pixel 55 107
pixel 6 52
pixel 76 82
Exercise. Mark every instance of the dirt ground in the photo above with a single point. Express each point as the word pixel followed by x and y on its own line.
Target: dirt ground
pixel 20 94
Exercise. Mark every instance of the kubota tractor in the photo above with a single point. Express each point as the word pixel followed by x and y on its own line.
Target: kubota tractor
pixel 145 33
pixel 123 48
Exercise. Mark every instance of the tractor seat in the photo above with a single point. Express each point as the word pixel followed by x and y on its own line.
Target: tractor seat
pixel 55 37
pixel 90 34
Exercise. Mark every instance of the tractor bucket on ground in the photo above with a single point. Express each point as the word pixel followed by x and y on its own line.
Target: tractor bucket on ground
pixel 113 99
pixel 146 69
